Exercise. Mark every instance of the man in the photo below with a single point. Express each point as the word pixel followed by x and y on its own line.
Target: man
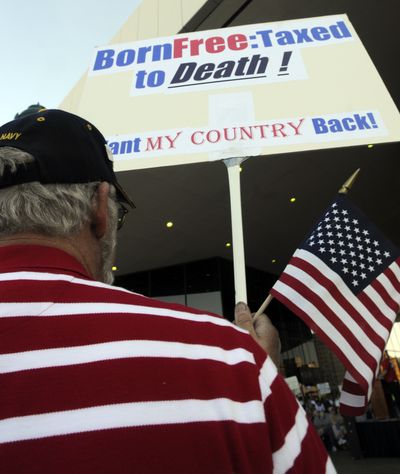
pixel 96 379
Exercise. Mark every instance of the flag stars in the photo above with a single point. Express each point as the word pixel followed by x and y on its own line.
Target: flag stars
pixel 346 220
pixel 344 212
pixel 365 232
pixel 332 250
pixel 339 235
pixel 354 273
pixel 360 247
pixel 333 259
pixel 342 252
pixel 379 261
pixel 361 256
pixel 322 249
pixel 368 249
pixel 363 276
pixel 362 266
pixel 355 221
pixel 386 254
pixel 376 243
pixel 321 241
pixel 345 270
pixel 355 283
pixel 377 252
pixel 341 243
pixel 352 253
pixel 354 263
pixel 371 268
pixel 338 226
pixel 367 241
pixel 344 260
pixel 350 245
pixel 329 234
pixel 335 211
pixel 370 259
pixel 356 230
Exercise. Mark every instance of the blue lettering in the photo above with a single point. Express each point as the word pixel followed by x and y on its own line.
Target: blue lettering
pixel 114 147
pixel 319 125
pixel 302 36
pixel 361 121
pixel 104 59
pixel 162 51
pixel 265 36
pixel 348 124
pixel 155 78
pixel 125 57
pixel 335 126
pixel 125 146
pixel 284 37
pixel 320 33
pixel 340 30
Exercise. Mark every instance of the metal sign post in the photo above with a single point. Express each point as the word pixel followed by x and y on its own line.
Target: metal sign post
pixel 239 266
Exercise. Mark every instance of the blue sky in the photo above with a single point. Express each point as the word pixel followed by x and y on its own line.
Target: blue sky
pixel 47 46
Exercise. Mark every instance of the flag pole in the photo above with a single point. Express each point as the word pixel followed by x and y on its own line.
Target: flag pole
pixel 239 266
pixel 345 188
pixel 349 183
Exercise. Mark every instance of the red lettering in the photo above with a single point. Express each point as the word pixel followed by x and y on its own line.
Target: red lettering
pixel 215 44
pixel 262 129
pixel 194 46
pixel 153 145
pixel 192 138
pixel 217 135
pixel 244 132
pixel 237 42
pixel 172 140
pixel 179 45
pixel 278 128
pixel 296 129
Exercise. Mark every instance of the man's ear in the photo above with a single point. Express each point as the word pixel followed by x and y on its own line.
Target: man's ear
pixel 100 214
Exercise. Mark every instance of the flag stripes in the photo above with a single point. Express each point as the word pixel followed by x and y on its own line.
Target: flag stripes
pixel 57 357
pixel 356 327
pixel 86 365
pixel 128 415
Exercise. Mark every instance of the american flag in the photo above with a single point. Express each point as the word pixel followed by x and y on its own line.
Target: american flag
pixel 344 283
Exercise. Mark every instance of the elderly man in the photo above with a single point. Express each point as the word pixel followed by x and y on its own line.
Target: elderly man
pixel 97 379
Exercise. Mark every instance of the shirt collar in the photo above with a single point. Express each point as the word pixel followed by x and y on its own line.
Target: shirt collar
pixel 39 258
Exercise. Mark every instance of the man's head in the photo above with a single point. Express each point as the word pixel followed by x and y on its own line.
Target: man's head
pixel 57 180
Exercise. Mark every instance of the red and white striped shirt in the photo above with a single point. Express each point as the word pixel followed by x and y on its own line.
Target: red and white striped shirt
pixel 97 379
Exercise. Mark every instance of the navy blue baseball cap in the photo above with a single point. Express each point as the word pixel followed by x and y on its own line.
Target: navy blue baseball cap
pixel 67 150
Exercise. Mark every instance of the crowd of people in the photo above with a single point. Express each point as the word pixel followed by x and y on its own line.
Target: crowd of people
pixel 329 423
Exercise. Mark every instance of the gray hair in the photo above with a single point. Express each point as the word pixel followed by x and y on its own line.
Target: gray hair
pixel 50 209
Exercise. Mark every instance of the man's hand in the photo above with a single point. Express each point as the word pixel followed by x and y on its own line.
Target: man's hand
pixel 261 329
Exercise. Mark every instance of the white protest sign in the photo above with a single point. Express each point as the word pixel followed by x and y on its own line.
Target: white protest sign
pixel 249 90
pixel 294 385
pixel 324 388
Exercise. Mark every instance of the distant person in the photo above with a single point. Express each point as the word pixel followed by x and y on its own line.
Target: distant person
pixel 97 379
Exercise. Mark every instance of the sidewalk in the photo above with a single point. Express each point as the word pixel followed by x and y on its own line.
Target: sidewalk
pixel 345 464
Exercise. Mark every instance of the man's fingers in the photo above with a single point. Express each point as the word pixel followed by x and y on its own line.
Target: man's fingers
pixel 243 318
